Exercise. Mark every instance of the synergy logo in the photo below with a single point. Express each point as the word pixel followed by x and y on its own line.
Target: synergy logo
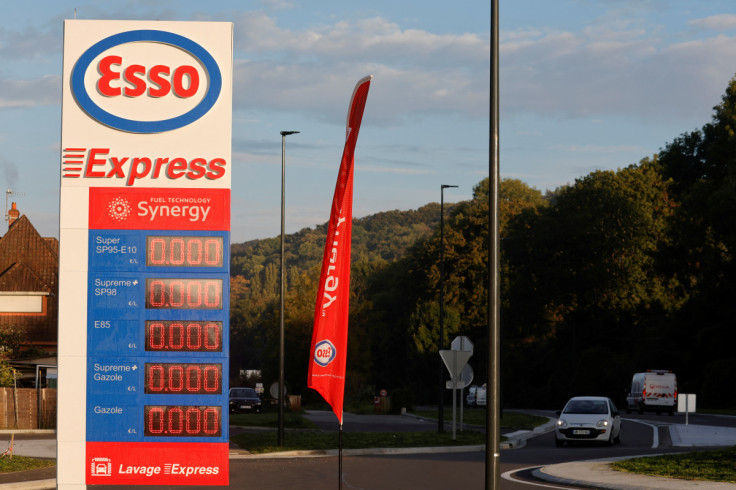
pixel 113 87
pixel 119 208
pixel 159 209
pixel 324 353
pixel 189 209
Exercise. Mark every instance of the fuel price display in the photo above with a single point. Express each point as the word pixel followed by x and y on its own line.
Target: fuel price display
pixel 158 315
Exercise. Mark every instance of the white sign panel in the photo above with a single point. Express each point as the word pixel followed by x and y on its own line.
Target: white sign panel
pixel 144 253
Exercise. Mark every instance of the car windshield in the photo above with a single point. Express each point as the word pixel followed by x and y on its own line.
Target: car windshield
pixel 586 407
pixel 243 392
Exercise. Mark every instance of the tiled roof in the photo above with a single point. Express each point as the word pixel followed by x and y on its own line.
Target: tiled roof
pixel 30 263
pixel 23 245
pixel 20 277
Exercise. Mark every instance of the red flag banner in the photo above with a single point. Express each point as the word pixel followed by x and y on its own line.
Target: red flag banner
pixel 330 336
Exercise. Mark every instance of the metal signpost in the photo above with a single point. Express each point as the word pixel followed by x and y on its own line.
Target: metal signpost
pixel 466 377
pixel 144 254
pixel 455 361
pixel 686 403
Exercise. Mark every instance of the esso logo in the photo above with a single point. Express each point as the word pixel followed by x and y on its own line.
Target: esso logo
pixel 146 81
pixel 184 80
pixel 324 353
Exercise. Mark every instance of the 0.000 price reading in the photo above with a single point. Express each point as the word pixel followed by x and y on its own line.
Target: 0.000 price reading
pixel 184 251
pixel 183 336
pixel 184 294
pixel 182 421
pixel 183 378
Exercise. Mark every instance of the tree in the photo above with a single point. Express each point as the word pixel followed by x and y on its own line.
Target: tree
pixel 702 165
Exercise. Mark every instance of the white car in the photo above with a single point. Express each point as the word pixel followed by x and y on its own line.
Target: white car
pixel 588 419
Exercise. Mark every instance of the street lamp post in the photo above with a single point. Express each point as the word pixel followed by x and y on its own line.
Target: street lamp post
pixel 441 414
pixel 284 134
pixel 493 405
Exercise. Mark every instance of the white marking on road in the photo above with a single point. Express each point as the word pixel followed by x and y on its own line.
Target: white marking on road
pixel 655 431
pixel 509 476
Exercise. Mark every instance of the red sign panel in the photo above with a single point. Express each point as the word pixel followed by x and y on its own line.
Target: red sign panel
pixel 118 208
pixel 152 463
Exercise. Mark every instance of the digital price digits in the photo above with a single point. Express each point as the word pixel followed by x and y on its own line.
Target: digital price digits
pixel 182 421
pixel 183 378
pixel 183 336
pixel 184 294
pixel 184 251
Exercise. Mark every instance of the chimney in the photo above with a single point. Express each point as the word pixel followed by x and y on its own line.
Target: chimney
pixel 13 215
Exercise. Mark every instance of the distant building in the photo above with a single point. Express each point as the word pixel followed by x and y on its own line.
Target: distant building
pixel 29 285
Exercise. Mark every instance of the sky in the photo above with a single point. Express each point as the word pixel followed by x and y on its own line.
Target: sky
pixel 585 85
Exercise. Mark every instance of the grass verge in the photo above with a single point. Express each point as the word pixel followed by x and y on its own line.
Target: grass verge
pixel 292 420
pixel 304 440
pixel 316 440
pixel 706 465
pixel 22 463
pixel 477 416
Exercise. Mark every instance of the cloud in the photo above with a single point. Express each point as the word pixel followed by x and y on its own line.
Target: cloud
pixel 416 72
pixel 598 149
pixel 722 22
pixel 30 44
pixel 9 173
pixel 373 39
pixel 30 93
pixel 625 73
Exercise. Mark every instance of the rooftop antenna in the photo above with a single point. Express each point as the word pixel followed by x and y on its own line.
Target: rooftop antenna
pixel 8 194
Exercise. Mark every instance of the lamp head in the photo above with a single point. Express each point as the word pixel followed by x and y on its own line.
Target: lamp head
pixel 287 133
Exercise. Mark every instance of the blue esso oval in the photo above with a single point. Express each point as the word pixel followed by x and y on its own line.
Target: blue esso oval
pixel 130 125
pixel 324 353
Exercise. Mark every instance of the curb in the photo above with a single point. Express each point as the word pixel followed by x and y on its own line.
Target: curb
pixel 358 452
pixel 30 485
pixel 518 439
pixel 28 431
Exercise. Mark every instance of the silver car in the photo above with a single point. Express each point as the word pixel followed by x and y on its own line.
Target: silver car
pixel 588 419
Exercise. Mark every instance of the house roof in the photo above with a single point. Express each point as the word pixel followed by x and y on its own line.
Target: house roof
pixel 19 277
pixel 28 262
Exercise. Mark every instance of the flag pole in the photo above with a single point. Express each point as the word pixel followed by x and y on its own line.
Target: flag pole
pixel 329 346
pixel 339 457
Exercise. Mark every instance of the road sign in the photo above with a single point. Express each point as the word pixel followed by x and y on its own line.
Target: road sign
pixel 467 375
pixel 455 361
pixel 462 343
pixel 144 254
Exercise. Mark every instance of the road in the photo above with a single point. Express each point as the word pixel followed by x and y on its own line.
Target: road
pixel 641 435
pixel 447 470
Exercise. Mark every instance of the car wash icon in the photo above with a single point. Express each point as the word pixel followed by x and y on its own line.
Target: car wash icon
pixel 101 467
pixel 119 209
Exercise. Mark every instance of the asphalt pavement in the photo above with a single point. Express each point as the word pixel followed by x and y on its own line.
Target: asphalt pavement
pixel 593 474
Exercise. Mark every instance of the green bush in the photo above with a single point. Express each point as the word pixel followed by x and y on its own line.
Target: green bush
pixel 402 398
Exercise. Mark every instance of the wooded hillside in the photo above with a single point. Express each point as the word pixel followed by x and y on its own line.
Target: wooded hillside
pixel 619 272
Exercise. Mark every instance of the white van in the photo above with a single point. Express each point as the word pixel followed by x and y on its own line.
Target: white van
pixel 653 391
pixel 476 396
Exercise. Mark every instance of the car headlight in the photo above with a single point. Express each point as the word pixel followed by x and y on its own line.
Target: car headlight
pixel 602 424
pixel 561 423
